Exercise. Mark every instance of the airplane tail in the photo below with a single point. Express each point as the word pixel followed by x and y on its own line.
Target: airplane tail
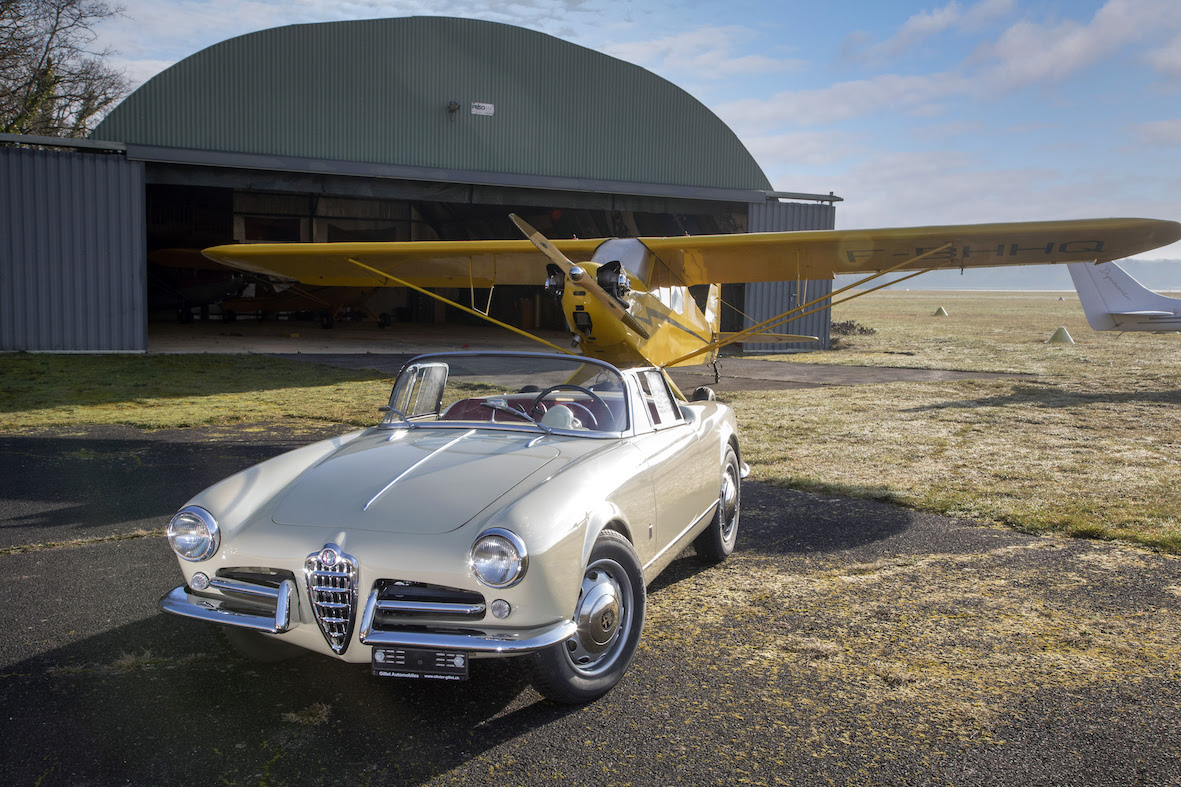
pixel 1114 301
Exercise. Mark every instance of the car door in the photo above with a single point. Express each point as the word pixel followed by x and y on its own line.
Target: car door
pixel 683 470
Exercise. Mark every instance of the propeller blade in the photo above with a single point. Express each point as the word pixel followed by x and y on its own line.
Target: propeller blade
pixel 578 276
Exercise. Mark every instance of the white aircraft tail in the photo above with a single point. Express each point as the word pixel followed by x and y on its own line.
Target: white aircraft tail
pixel 1114 301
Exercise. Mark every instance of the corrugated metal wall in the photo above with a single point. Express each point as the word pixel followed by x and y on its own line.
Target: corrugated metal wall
pixel 378 91
pixel 72 252
pixel 764 300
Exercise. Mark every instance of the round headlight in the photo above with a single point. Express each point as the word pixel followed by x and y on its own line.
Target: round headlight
pixel 498 558
pixel 193 534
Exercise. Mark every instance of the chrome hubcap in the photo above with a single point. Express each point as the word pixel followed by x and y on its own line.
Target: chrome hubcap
pixel 598 616
pixel 603 617
pixel 729 503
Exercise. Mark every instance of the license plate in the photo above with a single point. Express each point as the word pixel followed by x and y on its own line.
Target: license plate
pixel 421 663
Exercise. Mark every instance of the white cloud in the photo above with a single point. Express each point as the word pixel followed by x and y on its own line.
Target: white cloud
pixel 924 25
pixel 916 95
pixel 985 12
pixel 915 30
pixel 1030 52
pixel 702 53
pixel 949 187
pixel 806 148
pixel 1167 59
pixel 943 131
pixel 1159 132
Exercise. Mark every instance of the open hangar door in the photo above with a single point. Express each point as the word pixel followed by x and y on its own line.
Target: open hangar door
pixel 184 218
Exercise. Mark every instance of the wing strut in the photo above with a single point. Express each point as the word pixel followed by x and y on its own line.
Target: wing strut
pixel 460 306
pixel 795 313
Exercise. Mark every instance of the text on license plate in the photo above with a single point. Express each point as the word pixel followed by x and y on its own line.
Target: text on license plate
pixel 426 663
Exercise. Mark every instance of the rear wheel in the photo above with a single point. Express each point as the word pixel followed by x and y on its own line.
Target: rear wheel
pixel 717 541
pixel 610 617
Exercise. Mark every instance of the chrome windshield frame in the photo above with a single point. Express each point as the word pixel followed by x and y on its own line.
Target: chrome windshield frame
pixel 534 429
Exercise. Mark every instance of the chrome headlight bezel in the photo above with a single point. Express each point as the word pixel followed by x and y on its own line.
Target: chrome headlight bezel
pixel 193 534
pixel 498 558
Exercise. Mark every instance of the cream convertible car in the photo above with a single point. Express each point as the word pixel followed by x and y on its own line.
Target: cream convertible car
pixel 507 505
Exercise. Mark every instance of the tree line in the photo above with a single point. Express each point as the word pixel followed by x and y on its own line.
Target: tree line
pixel 51 82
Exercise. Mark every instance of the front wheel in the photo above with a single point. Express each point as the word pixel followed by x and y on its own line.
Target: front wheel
pixel 610 617
pixel 717 541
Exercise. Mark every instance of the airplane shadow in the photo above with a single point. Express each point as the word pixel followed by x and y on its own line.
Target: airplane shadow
pixel 1050 397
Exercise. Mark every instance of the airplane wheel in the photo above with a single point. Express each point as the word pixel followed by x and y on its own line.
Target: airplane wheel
pixel 327 320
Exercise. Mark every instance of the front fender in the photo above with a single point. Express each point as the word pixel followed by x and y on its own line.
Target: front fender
pixel 233 500
pixel 561 518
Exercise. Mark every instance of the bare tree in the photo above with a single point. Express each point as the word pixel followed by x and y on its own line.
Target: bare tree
pixel 51 82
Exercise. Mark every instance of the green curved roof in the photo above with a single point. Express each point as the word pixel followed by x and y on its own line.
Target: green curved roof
pixel 378 91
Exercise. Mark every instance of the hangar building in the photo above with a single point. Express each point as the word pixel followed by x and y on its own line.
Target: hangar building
pixel 414 128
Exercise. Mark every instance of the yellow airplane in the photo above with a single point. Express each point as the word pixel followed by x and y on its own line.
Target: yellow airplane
pixel 656 301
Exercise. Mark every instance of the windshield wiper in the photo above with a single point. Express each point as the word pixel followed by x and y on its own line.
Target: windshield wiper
pixel 501 407
pixel 405 420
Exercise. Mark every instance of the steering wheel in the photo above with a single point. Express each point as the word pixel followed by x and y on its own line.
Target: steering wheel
pixel 594 397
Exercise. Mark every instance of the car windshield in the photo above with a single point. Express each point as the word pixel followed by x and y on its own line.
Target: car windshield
pixel 547 393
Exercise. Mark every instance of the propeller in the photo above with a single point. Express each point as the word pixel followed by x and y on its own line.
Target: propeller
pixel 579 276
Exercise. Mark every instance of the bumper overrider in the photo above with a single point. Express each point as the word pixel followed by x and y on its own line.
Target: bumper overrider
pixel 227 611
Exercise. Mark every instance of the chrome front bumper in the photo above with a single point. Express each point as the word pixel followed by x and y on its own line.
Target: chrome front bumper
pixel 181 601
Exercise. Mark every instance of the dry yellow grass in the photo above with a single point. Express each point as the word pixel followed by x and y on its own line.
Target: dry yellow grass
pixel 1090 444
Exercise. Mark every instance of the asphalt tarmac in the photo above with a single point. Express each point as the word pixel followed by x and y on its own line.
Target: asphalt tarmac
pixel 844 642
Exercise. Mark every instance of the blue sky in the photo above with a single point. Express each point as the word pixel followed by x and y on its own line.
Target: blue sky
pixel 916 113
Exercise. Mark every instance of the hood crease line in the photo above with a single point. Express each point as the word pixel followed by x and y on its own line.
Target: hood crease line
pixel 417 465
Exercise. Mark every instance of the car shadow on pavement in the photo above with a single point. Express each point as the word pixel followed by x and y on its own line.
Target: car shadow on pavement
pixel 99 687
pixel 185 695
pixel 163 701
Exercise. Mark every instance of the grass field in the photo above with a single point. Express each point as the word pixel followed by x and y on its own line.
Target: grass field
pixel 1087 442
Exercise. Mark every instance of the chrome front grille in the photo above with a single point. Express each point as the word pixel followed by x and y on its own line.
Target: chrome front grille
pixel 400 611
pixel 402 601
pixel 331 578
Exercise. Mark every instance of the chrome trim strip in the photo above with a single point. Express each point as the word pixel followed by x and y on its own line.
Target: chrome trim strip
pixel 471 643
pixel 709 511
pixel 245 588
pixel 418 464
pixel 440 607
pixel 179 601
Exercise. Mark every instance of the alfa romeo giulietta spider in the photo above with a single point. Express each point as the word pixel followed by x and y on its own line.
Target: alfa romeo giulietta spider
pixel 506 505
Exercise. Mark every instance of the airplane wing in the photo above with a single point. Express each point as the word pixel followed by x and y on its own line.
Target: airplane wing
pixel 821 254
pixel 479 263
pixel 712 259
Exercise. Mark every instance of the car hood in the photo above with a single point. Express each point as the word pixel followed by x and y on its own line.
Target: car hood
pixel 411 480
